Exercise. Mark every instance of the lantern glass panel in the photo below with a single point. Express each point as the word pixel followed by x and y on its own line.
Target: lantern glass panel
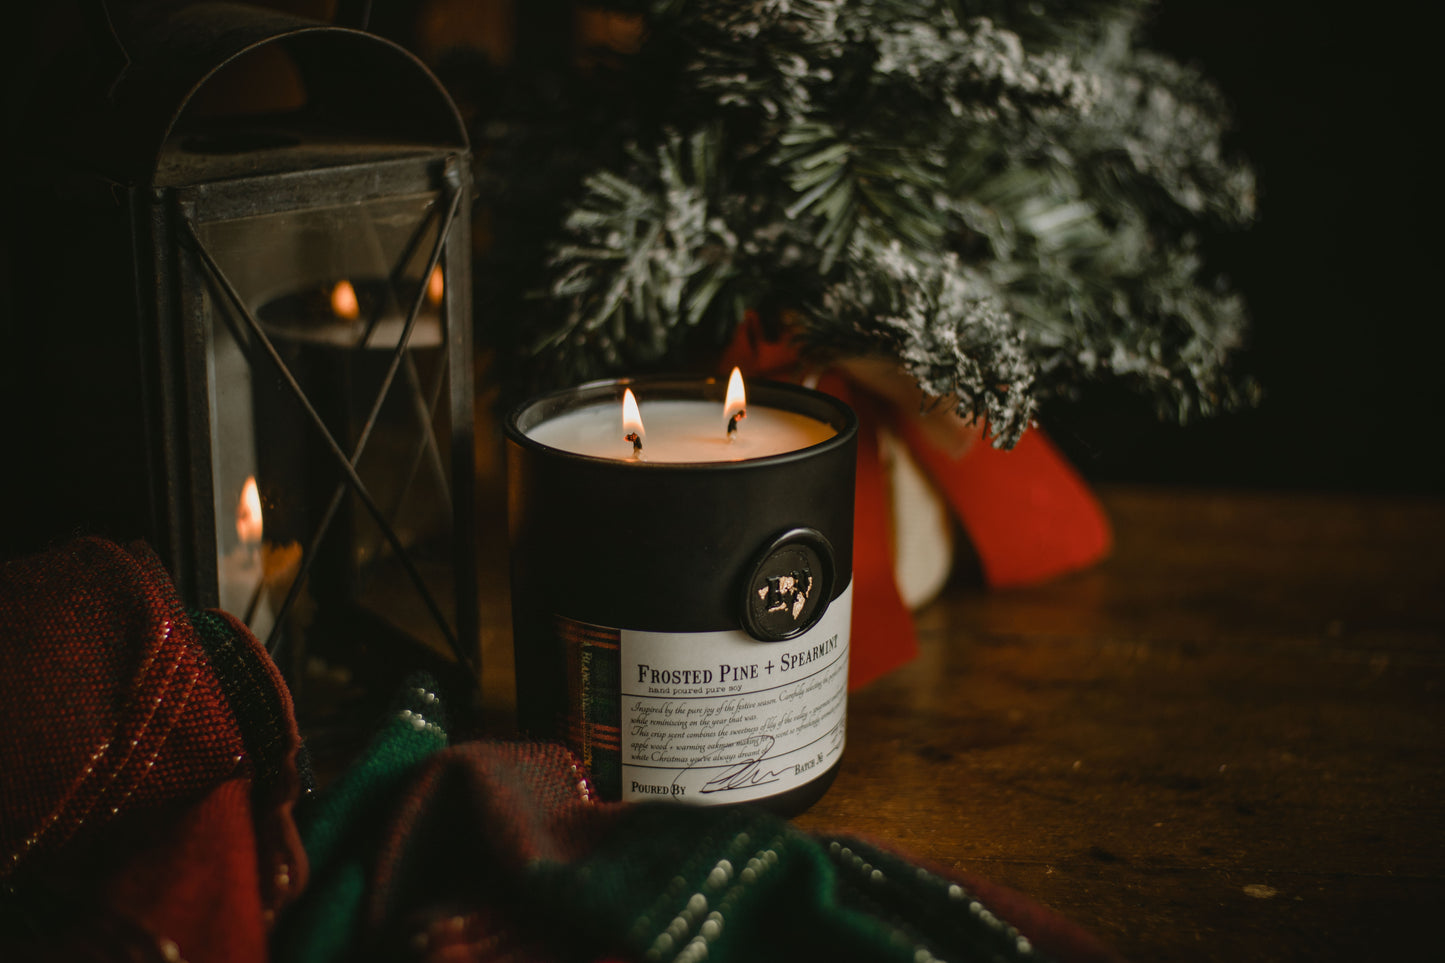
pixel 327 340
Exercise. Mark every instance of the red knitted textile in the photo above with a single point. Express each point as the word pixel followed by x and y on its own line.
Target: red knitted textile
pixel 148 772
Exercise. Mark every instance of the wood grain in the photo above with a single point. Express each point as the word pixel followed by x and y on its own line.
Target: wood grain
pixel 1223 743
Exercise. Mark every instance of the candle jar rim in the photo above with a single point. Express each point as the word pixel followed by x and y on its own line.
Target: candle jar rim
pixel 764 392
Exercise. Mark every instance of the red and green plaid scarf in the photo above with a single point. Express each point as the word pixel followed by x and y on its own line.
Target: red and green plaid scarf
pixel 149 786
pixel 491 851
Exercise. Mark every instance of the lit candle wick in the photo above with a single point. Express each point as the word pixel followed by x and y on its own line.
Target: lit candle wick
pixel 736 405
pixel 632 423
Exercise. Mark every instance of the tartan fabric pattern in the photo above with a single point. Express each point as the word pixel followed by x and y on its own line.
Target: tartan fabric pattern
pixel 339 828
pixel 149 762
pixel 148 812
pixel 501 851
pixel 101 667
pixel 594 716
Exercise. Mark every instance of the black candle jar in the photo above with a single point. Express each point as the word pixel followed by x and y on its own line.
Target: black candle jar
pixel 685 626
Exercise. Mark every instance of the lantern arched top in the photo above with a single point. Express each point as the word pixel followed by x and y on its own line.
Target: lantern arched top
pixel 221 87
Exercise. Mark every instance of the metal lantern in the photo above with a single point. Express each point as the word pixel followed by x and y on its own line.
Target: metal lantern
pixel 246 274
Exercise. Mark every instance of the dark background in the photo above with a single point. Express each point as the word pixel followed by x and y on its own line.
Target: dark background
pixel 1334 107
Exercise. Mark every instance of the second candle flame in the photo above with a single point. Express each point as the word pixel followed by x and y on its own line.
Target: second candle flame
pixel 632 421
pixel 735 408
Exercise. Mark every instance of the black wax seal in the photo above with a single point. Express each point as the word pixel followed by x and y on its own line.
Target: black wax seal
pixel 789 587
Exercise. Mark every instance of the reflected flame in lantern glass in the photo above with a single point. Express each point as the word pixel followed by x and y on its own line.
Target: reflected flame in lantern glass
pixel 343 301
pixel 737 399
pixel 436 285
pixel 248 513
pixel 631 416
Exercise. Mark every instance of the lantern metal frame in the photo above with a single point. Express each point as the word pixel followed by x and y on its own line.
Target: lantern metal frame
pixel 190 206
pixel 104 156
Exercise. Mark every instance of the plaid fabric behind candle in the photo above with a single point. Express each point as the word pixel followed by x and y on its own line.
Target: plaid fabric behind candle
pixel 494 851
pixel 151 765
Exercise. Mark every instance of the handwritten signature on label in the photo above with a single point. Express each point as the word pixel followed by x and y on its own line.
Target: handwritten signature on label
pixel 749 773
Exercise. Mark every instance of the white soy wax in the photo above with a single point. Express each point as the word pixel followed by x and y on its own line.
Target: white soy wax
pixel 680 431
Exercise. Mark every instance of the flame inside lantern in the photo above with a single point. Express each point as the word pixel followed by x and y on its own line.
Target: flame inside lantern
pixel 436 286
pixel 343 301
pixel 248 513
pixel 737 399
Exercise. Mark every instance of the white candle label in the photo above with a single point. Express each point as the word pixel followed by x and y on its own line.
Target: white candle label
pixel 707 717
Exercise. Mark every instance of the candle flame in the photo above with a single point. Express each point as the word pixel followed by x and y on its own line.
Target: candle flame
pixel 343 301
pixel 436 285
pixel 248 513
pixel 631 416
pixel 737 401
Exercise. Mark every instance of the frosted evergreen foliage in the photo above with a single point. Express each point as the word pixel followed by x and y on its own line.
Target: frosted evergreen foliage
pixel 1005 198
pixel 929 313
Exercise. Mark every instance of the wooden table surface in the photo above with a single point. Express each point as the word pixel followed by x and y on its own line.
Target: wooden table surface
pixel 1227 742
